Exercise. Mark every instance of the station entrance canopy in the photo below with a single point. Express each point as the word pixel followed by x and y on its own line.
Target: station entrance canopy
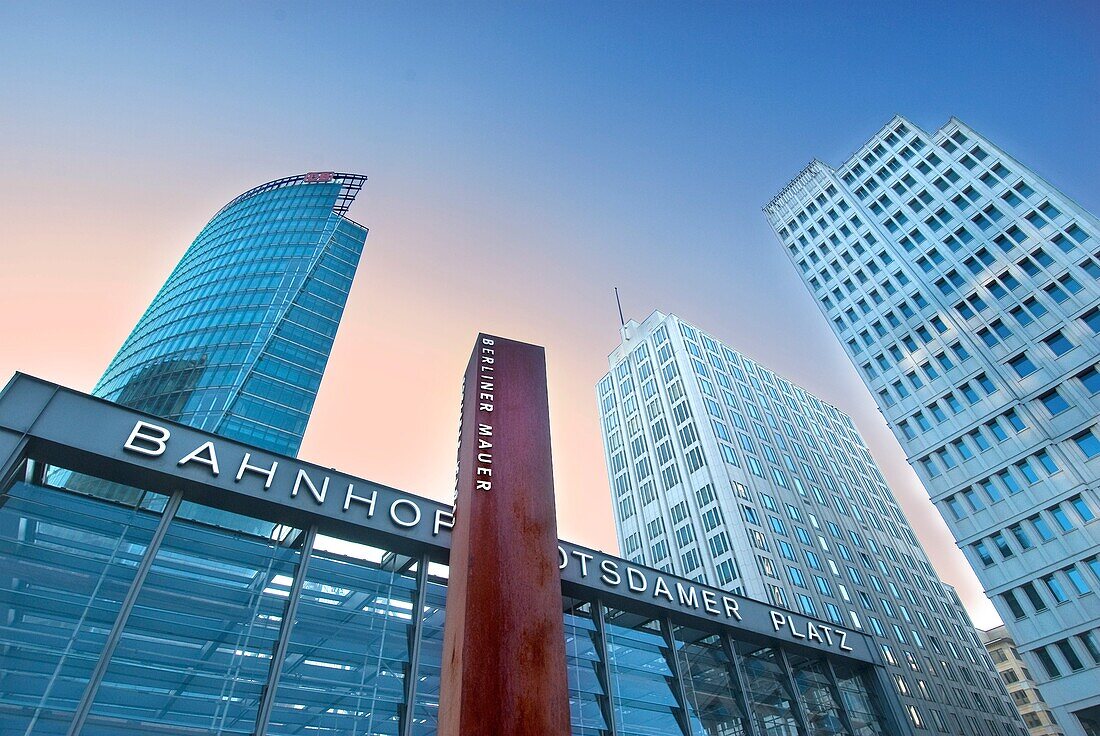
pixel 125 612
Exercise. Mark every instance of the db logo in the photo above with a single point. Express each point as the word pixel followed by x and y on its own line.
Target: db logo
pixel 319 176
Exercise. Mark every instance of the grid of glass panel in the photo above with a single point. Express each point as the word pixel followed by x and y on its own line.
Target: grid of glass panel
pixel 66 563
pixel 349 650
pixel 588 702
pixel 716 701
pixel 643 683
pixel 195 653
pixel 238 337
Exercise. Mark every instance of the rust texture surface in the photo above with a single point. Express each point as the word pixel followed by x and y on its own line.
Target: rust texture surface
pixel 504 669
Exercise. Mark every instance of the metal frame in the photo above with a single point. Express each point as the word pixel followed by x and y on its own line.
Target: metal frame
pixel 124 610
pixel 413 673
pixel 798 708
pixel 286 628
pixel 678 673
pixel 845 717
pixel 738 674
pixel 351 184
pixel 604 671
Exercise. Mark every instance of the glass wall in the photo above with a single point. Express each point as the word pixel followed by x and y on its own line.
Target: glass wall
pixel 640 669
pixel 148 622
pixel 768 687
pixel 588 703
pixel 713 692
pixel 349 652
pixel 66 563
pixel 237 339
pixel 430 665
pixel 195 652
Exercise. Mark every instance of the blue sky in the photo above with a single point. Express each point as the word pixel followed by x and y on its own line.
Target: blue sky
pixel 523 159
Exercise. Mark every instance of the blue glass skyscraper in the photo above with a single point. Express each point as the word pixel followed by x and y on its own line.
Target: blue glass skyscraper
pixel 237 339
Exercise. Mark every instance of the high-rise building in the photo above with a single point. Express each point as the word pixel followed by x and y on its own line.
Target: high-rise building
pixel 964 288
pixel 237 339
pixel 1017 677
pixel 724 472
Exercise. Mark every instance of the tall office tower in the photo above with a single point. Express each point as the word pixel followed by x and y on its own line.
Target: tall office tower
pixel 1014 671
pixel 964 288
pixel 237 339
pixel 724 472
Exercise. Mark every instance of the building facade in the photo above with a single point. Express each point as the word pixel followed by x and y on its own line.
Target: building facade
pixel 132 616
pixel 1017 677
pixel 965 290
pixel 237 339
pixel 724 472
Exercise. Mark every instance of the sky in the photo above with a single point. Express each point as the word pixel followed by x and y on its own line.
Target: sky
pixel 523 159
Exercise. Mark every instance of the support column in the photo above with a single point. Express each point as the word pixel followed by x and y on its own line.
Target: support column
pixel 124 610
pixel 834 687
pixel 274 672
pixel 604 673
pixel 796 697
pixel 413 674
pixel 678 674
pixel 739 678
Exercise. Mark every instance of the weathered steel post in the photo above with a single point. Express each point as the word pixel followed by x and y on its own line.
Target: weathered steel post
pixel 504 670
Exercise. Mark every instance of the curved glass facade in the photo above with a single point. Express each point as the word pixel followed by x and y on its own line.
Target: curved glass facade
pixel 237 339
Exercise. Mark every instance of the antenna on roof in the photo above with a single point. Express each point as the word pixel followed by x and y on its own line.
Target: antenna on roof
pixel 619 304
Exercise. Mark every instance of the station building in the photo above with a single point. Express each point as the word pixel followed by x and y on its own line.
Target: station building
pixel 132 616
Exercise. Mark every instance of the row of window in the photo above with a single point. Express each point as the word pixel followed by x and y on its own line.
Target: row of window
pixel 1069 655
pixel 1052 589
pixel 1028 470
pixel 1021 532
pixel 981 438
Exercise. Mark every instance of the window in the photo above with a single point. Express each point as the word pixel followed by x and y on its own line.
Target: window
pixel 1002 545
pixel 1090 379
pixel 1092 320
pixel 1088 443
pixel 1034 598
pixel 1077 580
pixel 1021 536
pixel 1054 586
pixel 1047 661
pixel 1082 508
pixel 1061 518
pixel 1022 365
pixel 982 553
pixel 1054 403
pixel 1013 604
pixel 1042 528
pixel 1058 343
pixel 1070 654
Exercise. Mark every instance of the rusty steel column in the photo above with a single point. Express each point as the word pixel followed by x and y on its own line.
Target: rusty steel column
pixel 504 671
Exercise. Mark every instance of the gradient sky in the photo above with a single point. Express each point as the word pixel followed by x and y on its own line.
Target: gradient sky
pixel 523 159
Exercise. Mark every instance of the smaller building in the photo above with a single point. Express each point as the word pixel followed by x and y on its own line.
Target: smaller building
pixel 1002 649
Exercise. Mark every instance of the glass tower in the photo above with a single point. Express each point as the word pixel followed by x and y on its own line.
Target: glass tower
pixel 964 288
pixel 237 339
pixel 724 472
